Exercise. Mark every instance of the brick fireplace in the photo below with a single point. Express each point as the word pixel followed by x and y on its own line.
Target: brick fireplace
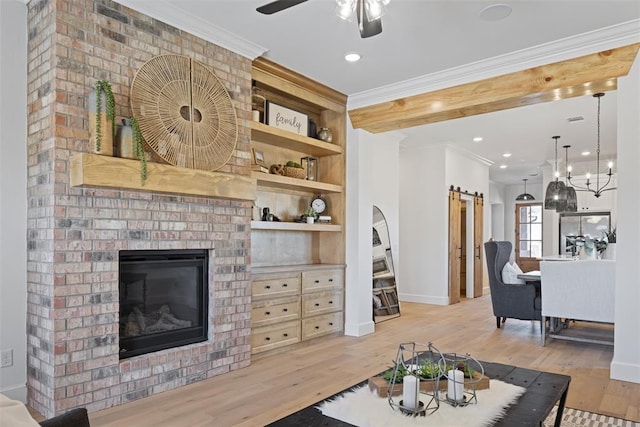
pixel 75 234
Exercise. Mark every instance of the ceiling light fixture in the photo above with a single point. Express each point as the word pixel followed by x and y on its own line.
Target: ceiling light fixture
pixel 368 13
pixel 597 192
pixel 525 196
pixel 503 166
pixel 352 57
pixel 506 155
pixel 555 193
pixel 477 139
pixel 586 153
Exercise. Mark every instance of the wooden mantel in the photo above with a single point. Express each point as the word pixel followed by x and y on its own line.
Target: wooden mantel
pixel 580 76
pixel 93 170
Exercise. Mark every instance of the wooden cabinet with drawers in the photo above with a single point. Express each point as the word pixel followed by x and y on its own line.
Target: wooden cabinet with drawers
pixel 295 303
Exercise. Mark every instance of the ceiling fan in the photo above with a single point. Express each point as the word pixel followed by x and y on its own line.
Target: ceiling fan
pixel 368 12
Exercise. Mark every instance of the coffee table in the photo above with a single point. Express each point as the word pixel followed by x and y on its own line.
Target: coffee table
pixel 543 391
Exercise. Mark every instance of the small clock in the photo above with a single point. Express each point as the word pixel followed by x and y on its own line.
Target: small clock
pixel 319 204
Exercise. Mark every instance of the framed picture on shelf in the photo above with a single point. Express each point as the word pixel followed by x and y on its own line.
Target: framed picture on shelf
pixel 285 118
pixel 258 157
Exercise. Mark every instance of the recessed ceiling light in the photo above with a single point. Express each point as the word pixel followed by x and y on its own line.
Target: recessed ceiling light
pixel 352 57
pixel 495 12
pixel 586 153
pixel 506 155
pixel 503 166
pixel 477 139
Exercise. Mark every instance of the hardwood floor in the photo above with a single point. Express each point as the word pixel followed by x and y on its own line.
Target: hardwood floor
pixel 279 384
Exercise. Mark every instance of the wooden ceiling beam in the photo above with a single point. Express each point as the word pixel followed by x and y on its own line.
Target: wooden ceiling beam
pixel 580 76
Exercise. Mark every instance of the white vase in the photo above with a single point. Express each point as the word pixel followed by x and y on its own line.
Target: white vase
pixel 610 252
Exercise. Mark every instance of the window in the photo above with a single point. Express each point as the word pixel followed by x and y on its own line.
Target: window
pixel 529 230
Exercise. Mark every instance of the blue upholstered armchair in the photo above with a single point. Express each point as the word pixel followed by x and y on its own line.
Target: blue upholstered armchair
pixel 514 301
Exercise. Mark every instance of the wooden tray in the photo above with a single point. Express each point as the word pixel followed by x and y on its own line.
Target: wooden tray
pixel 381 385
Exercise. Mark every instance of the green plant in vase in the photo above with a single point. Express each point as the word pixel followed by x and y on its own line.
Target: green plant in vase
pixel 102 89
pixel 138 149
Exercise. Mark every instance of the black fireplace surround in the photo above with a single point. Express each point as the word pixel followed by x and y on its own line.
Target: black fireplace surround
pixel 163 299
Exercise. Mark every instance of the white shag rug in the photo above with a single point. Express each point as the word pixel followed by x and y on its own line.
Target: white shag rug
pixel 362 407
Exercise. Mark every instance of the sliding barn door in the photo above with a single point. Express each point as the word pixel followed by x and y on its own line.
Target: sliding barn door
pixel 455 246
pixel 477 246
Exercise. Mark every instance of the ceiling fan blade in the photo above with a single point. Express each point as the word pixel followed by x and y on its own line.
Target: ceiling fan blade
pixel 278 5
pixel 369 28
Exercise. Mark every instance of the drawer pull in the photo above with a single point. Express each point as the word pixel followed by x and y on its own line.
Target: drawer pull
pixel 317 327
pixel 317 281
pixel 331 280
pixel 285 309
pixel 330 302
pixel 267 287
pixel 284 285
pixel 330 323
pixel 285 335
pixel 267 313
pixel 317 304
pixel 267 339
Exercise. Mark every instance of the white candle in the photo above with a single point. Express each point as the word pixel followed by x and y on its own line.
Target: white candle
pixel 455 385
pixel 255 114
pixel 410 387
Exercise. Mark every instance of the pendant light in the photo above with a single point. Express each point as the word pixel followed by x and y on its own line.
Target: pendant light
pixel 525 196
pixel 555 193
pixel 597 192
pixel 570 203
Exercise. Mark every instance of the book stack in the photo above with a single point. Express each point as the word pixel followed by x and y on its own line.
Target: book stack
pixel 323 219
pixel 259 168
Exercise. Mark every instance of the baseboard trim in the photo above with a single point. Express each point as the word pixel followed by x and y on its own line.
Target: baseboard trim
pixel 359 329
pixel 423 299
pixel 16 393
pixel 625 372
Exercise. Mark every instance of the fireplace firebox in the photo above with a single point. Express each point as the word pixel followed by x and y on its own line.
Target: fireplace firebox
pixel 163 299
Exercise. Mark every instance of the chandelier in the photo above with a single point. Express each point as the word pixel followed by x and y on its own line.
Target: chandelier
pixel 598 190
pixel 368 13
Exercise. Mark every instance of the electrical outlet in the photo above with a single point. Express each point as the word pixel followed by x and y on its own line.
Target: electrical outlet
pixel 6 358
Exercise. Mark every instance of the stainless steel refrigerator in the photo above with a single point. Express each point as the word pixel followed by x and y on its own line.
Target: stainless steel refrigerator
pixel 577 225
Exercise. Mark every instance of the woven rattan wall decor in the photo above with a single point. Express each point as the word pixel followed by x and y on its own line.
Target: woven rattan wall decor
pixel 184 112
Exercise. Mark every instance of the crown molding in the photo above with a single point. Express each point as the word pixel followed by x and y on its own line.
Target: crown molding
pixel 164 11
pixel 469 154
pixel 615 36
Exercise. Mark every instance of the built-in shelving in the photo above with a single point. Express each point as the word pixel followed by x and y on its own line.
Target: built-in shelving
pixel 297 268
pixel 287 183
pixel 291 141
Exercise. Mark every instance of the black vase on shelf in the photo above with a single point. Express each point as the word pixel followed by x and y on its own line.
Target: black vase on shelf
pixel 312 129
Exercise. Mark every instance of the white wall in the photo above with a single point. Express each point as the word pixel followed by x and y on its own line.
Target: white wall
pixel 372 178
pixel 426 172
pixel 626 356
pixel 13 195
pixel 423 225
pixel 496 204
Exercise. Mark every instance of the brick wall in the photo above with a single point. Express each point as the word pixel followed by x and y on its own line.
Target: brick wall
pixel 74 235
